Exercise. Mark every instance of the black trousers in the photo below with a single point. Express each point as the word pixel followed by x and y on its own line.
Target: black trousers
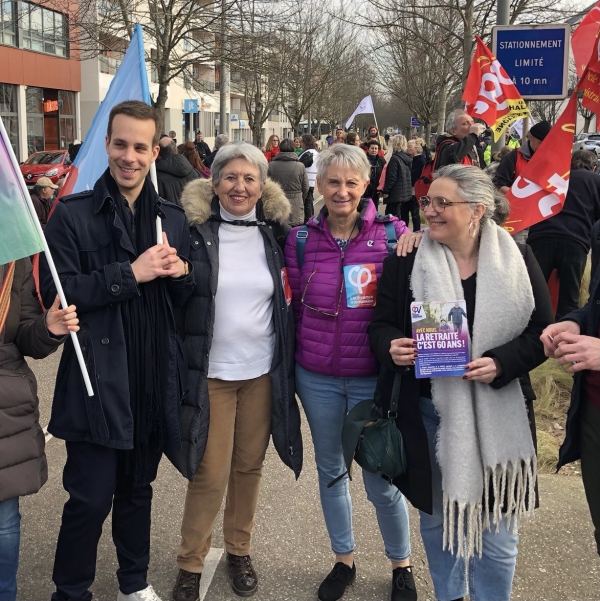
pixel 568 258
pixel 94 476
pixel 309 205
pixel 590 462
pixel 403 210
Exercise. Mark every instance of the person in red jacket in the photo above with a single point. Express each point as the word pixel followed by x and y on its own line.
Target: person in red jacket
pixel 272 147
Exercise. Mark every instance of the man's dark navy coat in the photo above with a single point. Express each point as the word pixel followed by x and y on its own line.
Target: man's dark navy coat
pixel 93 256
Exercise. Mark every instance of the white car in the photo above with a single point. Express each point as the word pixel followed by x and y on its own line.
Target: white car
pixel 587 142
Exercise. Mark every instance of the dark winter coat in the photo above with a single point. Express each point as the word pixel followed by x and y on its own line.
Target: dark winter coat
pixel 588 319
pixel 202 148
pixel 290 174
pixel 93 256
pixel 173 172
pixel 198 318
pixel 450 150
pixel 398 185
pixel 392 321
pixel 23 467
pixel 377 166
pixel 416 168
pixel 42 207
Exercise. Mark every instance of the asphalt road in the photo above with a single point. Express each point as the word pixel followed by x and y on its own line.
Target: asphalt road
pixel 557 558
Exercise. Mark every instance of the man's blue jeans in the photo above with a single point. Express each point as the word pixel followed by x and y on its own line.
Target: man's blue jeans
pixel 326 401
pixel 10 534
pixel 487 579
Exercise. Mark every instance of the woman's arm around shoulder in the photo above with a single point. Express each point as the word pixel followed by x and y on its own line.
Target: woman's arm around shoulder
pixel 392 293
pixel 526 351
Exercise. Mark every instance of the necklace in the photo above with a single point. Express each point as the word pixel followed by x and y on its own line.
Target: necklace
pixel 342 241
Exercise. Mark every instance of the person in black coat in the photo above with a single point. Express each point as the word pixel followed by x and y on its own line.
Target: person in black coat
pixel 397 189
pixel 416 151
pixel 456 226
pixel 202 148
pixel 461 142
pixel 377 164
pixel 562 242
pixel 575 342
pixel 173 171
pixel 125 287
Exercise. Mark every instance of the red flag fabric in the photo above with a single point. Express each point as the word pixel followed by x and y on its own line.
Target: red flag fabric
pixel 582 40
pixel 490 94
pixel 539 192
pixel 590 81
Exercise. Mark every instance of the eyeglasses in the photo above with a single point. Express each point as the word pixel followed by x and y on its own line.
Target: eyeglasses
pixel 439 203
pixel 321 311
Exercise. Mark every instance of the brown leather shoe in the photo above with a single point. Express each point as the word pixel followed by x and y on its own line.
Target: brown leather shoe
pixel 244 580
pixel 187 586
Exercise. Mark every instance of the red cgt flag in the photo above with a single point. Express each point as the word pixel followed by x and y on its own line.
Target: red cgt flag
pixel 590 81
pixel 582 40
pixel 540 191
pixel 490 94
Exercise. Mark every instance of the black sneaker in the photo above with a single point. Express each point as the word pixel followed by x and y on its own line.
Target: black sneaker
pixel 187 586
pixel 333 587
pixel 403 585
pixel 244 580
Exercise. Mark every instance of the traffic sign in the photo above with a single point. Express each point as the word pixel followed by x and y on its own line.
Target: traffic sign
pixel 190 105
pixel 536 58
pixel 414 122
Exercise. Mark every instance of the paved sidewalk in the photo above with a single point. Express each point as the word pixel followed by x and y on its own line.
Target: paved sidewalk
pixel 557 558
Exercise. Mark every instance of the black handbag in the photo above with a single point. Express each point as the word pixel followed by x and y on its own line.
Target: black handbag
pixel 372 439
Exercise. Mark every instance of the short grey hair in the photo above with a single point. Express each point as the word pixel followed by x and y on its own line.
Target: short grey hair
pixel 452 117
pixel 473 185
pixel 399 143
pixel 344 155
pixel 221 140
pixel 239 150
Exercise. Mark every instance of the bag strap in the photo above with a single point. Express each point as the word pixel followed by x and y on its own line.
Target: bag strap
pixel 437 154
pixel 393 412
pixel 301 236
pixel 390 232
pixel 5 291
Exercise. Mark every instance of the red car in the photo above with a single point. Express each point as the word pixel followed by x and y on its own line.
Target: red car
pixel 54 164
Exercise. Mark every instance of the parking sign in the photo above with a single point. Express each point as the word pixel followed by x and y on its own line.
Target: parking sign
pixel 536 58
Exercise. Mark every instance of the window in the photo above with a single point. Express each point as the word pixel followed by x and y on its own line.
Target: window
pixel 113 51
pixel 207 123
pixel 66 103
pixel 9 114
pixel 44 30
pixel 7 23
pixel 35 119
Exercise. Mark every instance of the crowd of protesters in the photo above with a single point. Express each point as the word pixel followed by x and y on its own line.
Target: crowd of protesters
pixel 181 367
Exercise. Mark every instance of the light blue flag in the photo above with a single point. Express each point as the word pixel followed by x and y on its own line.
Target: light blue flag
pixel 129 83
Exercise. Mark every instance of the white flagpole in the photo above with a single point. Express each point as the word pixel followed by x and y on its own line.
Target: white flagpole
pixel 154 179
pixel 40 231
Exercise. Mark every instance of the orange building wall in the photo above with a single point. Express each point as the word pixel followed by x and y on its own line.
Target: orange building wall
pixel 24 67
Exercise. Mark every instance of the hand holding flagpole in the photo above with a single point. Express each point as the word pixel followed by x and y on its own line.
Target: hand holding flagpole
pixel 40 232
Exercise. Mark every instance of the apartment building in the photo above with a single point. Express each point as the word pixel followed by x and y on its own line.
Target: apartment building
pixel 40 78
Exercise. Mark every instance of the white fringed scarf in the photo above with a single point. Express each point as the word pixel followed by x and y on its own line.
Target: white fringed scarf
pixel 484 437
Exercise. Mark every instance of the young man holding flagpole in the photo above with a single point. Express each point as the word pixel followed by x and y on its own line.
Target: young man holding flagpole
pixel 125 287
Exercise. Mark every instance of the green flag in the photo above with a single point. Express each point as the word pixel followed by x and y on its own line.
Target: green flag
pixel 18 234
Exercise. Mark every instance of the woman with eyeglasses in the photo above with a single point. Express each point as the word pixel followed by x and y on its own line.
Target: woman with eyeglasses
pixel 470 440
pixel 272 148
pixel 334 263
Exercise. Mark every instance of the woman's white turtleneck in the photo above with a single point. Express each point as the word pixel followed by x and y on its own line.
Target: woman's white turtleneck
pixel 243 334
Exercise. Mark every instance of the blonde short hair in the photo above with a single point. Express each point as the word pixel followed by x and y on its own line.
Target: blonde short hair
pixel 399 143
pixel 416 144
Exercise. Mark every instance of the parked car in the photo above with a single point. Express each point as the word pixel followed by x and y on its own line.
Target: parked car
pixel 54 164
pixel 587 142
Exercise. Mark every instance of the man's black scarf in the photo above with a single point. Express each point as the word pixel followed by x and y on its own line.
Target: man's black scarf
pixel 145 324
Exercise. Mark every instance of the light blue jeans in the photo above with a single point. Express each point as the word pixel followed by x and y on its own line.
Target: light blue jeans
pixel 10 534
pixel 326 401
pixel 486 579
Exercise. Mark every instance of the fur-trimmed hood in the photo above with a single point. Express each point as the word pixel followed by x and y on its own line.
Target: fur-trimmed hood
pixel 197 197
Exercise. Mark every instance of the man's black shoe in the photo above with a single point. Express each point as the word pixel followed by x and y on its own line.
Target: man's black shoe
pixel 403 585
pixel 333 587
pixel 244 580
pixel 187 586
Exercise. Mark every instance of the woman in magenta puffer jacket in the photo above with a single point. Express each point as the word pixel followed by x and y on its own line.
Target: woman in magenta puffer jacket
pixel 334 287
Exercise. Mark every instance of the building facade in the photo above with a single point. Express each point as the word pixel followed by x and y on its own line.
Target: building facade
pixel 40 79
